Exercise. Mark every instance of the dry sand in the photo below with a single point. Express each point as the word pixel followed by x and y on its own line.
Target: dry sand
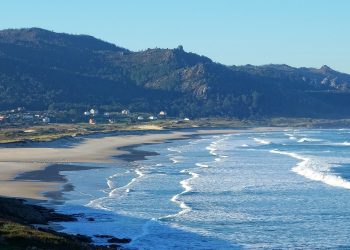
pixel 14 161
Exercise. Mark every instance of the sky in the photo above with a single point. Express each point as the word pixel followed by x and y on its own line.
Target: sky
pixel 300 33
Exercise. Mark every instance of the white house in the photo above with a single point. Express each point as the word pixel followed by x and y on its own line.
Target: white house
pixel 186 119
pixel 46 120
pixel 162 113
pixel 93 111
pixel 140 118
pixel 86 113
pixel 125 112
pixel 152 117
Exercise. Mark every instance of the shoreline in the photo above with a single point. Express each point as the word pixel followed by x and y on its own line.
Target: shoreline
pixel 16 161
pixel 41 182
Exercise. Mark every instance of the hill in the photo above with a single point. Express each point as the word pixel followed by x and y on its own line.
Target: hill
pixel 42 70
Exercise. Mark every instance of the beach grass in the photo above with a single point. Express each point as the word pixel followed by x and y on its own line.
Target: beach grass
pixel 49 132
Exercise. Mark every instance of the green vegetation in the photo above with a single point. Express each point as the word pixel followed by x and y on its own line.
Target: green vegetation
pixel 15 236
pixel 50 132
pixel 43 70
pixel 17 233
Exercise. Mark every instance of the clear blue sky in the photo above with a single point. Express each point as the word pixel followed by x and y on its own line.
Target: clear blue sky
pixel 296 32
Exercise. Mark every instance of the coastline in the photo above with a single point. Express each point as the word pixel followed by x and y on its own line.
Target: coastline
pixel 34 173
pixel 16 161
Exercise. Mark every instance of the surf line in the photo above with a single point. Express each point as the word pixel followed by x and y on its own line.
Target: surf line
pixel 176 198
pixel 310 169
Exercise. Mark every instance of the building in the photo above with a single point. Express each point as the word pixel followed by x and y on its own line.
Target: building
pixel 125 112
pixel 93 111
pixel 140 118
pixel 152 117
pixel 162 113
pixel 46 120
pixel 86 113
pixel 186 119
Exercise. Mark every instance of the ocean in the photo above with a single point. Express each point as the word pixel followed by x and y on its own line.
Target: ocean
pixel 251 190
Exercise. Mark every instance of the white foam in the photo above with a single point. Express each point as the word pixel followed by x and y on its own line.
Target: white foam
pixel 305 139
pixel 346 143
pixel 98 204
pixel 174 150
pixel 201 165
pixel 125 189
pixel 139 172
pixel 174 160
pixel 186 185
pixel 212 150
pixel 110 183
pixel 316 170
pixel 187 188
pixel 261 141
pixel 119 191
pixel 244 145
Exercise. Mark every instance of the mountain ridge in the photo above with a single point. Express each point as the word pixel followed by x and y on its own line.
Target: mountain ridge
pixel 40 69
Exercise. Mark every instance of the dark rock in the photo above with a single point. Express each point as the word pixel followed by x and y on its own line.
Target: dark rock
pixel 118 240
pixel 90 219
pixel 103 236
pixel 19 211
pixel 83 238
pixel 114 246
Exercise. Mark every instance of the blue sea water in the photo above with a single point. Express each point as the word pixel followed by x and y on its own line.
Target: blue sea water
pixel 251 190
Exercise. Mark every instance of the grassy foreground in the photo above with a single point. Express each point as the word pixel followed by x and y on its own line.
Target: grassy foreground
pixel 17 232
pixel 15 236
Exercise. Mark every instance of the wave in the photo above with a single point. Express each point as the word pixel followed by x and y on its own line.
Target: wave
pixel 305 139
pixel 174 150
pixel 212 150
pixel 290 136
pixel 201 165
pixel 262 141
pixel 316 170
pixel 126 189
pixel 110 182
pixel 346 143
pixel 175 159
pixel 187 188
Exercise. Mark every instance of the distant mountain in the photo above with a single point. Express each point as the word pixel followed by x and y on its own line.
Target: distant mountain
pixel 41 70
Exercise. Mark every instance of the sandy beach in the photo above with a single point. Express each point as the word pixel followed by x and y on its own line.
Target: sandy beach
pixel 18 160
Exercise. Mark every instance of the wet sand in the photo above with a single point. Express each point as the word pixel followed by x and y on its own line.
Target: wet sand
pixel 15 161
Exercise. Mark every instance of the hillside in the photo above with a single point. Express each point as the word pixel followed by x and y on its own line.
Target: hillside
pixel 42 70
